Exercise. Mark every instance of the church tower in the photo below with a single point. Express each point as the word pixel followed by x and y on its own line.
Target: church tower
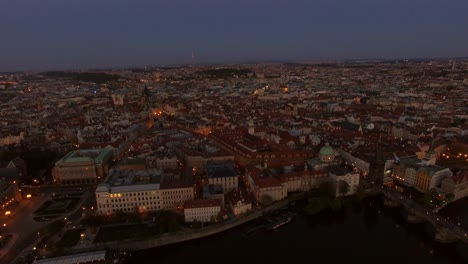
pixel 431 154
pixel 250 127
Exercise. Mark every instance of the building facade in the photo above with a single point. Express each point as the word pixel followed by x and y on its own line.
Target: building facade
pixel 82 167
pixel 423 174
pixel 340 178
pixel 202 210
pixel 238 201
pixel 222 173
pixel 456 185
pixel 162 161
pixel 141 191
pixel 265 186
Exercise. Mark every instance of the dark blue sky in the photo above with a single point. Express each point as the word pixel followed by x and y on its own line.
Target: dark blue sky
pixel 65 34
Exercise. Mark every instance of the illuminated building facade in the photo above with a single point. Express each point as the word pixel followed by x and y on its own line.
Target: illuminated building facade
pixel 140 191
pixel 82 167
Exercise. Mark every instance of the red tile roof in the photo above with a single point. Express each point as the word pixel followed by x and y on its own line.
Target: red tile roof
pixel 202 203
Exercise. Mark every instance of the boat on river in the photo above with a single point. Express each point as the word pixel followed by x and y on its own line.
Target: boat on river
pixel 280 221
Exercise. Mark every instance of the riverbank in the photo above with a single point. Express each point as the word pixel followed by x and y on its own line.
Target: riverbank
pixel 181 236
pixel 322 200
pixel 335 236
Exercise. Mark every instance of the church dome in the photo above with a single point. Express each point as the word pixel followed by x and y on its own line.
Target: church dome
pixel 327 154
pixel 327 151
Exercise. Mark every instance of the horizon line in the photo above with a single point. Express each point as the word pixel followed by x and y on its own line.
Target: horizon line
pixel 240 62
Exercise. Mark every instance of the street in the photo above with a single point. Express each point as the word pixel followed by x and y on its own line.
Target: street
pixel 21 221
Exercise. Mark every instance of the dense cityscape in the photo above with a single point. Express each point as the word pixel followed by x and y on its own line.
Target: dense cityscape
pixel 97 165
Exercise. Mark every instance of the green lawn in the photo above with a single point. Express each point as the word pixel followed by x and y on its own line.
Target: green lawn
pixel 57 206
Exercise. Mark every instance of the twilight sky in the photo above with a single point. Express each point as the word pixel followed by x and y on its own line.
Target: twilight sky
pixel 74 34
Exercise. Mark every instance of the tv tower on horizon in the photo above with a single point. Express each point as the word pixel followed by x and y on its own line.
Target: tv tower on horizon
pixel 193 57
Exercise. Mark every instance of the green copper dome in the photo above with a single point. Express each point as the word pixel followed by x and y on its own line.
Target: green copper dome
pixel 327 151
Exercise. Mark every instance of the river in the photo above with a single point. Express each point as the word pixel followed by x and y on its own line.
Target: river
pixel 457 211
pixel 365 233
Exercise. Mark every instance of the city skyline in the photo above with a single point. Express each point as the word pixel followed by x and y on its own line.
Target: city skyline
pixel 58 36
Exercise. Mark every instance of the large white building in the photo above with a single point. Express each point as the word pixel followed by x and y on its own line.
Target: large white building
pixel 261 185
pixel 222 173
pixel 344 180
pixel 144 190
pixel 204 210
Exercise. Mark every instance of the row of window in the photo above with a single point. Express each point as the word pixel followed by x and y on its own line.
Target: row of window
pixel 131 194
pixel 133 209
pixel 130 204
pixel 171 197
pixel 133 205
pixel 203 210
pixel 232 178
pixel 134 199
pixel 78 181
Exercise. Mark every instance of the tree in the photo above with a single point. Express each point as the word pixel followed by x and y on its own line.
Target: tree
pixel 196 224
pixel 450 197
pixel 55 227
pixel 343 187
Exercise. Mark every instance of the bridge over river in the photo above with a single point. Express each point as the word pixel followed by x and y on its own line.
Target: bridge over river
pixel 446 230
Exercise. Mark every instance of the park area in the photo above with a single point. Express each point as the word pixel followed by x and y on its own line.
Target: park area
pixel 70 238
pixel 122 232
pixel 59 205
pixel 110 230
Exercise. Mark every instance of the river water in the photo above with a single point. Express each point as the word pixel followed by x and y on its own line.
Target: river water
pixel 458 212
pixel 365 233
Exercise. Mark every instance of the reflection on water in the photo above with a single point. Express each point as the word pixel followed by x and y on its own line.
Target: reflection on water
pixel 358 234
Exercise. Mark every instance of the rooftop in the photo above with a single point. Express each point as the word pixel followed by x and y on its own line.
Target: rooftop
pixel 202 203
pixel 131 180
pixel 218 169
pixel 84 155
